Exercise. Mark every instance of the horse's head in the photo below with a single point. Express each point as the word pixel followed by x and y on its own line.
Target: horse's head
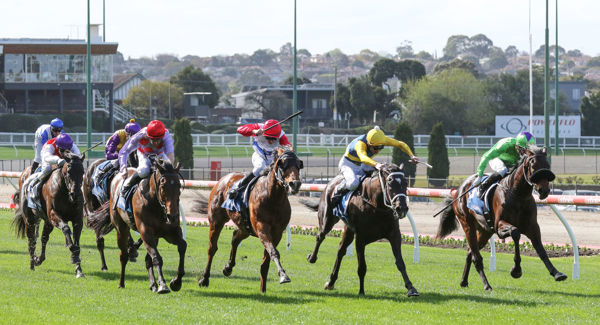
pixel 73 175
pixel 287 169
pixel 394 186
pixel 167 187
pixel 536 170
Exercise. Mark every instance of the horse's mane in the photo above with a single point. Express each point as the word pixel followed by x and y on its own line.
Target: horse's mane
pixel 268 169
pixel 165 164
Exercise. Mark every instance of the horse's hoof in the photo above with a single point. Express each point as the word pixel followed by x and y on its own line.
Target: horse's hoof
pixel 79 275
pixel 153 287
pixel 328 286
pixel 104 269
pixel 132 259
pixel 284 279
pixel 163 289
pixel 175 284
pixel 227 271
pixel 203 282
pixel 516 273
pixel 488 288
pixel 311 259
pixel 412 292
pixel 464 284
pixel 361 293
pixel 559 276
pixel 38 261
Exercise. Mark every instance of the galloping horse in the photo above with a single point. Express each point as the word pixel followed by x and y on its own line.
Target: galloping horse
pixel 373 214
pixel 92 203
pixel 61 201
pixel 155 206
pixel 269 213
pixel 514 210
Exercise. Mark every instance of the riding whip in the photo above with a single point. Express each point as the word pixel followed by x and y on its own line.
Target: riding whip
pixel 92 147
pixel 450 204
pixel 285 119
pixel 426 164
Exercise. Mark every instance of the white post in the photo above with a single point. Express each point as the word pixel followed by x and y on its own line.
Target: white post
pixel 288 236
pixel 183 222
pixel 416 237
pixel 573 241
pixel 493 254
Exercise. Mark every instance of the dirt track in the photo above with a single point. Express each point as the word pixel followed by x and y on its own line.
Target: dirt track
pixel 585 225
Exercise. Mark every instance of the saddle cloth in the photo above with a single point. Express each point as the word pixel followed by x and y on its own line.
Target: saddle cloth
pixel 240 204
pixel 100 186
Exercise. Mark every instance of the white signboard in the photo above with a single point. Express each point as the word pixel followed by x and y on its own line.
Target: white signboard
pixel 511 125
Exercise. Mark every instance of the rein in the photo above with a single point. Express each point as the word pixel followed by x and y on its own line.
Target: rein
pixel 387 200
pixel 156 181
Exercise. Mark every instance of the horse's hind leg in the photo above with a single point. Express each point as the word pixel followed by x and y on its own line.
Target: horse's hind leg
pixel 32 234
pixel 76 250
pixel 536 241
pixel 100 246
pixel 237 238
pixel 264 271
pixel 213 238
pixel 330 221
pixel 133 249
pixel 45 237
pixel 476 258
pixel 347 239
pixel 396 243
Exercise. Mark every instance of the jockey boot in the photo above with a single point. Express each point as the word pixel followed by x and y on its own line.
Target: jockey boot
pixel 103 172
pixel 232 193
pixel 338 193
pixel 34 166
pixel 38 181
pixel 132 180
pixel 487 183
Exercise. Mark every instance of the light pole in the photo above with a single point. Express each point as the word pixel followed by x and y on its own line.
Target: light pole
pixel 88 91
pixel 546 81
pixel 556 86
pixel 295 97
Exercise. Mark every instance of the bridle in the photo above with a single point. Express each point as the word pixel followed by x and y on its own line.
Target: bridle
pixel 528 178
pixel 388 201
pixel 162 204
pixel 281 167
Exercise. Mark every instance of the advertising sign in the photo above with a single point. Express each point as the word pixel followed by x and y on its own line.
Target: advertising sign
pixel 510 125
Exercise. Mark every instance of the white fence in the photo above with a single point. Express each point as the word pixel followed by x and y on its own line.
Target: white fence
pixel 307 140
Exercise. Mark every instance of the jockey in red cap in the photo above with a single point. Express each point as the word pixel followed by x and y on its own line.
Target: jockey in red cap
pixel 154 139
pixel 267 137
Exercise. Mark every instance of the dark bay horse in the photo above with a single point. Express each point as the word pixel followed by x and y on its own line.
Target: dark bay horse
pixel 62 202
pixel 92 203
pixel 373 215
pixel 514 212
pixel 269 212
pixel 155 215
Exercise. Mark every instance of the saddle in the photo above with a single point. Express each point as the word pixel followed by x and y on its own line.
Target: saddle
pixel 340 210
pixel 124 203
pixel 101 186
pixel 483 208
pixel 240 204
pixel 33 198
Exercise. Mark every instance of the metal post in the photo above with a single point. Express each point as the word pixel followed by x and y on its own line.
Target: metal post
pixel 546 90
pixel 492 254
pixel 556 86
pixel 294 96
pixel 88 92
pixel 573 241
pixel 415 236
pixel 103 20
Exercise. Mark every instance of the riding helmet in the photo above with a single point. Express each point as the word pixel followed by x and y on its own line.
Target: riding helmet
pixel 525 139
pixel 56 123
pixel 156 129
pixel 376 137
pixel 273 132
pixel 64 141
pixel 132 127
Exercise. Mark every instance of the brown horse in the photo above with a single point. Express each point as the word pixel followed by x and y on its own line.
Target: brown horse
pixel 155 205
pixel 61 202
pixel 269 211
pixel 514 210
pixel 92 203
pixel 373 214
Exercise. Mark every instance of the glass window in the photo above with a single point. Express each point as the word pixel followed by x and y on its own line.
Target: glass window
pixel 33 68
pixel 576 94
pixel 14 67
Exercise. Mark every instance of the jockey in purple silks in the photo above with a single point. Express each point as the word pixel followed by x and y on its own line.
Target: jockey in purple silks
pixel 114 145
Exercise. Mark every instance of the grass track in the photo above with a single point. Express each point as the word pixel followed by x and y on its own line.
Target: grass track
pixel 51 294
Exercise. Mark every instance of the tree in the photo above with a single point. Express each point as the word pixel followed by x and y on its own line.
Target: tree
pixel 453 97
pixel 304 52
pixel 438 156
pixel 404 133
pixel 456 45
pixel 139 99
pixel 362 98
pixel 338 58
pixel 423 55
pixel 511 51
pixel 254 77
pixel 299 81
pixel 183 144
pixel 480 45
pixel 457 64
pixel 497 58
pixel 383 70
pixel 342 99
pixel 192 79
pixel 272 104
pixel 590 111
pixel 410 70
pixel 262 57
pixel 405 50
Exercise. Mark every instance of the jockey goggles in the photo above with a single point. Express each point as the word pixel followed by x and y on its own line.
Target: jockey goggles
pixel 270 138
pixel 378 147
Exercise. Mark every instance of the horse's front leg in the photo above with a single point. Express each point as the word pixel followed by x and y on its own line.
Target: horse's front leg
pixel 270 239
pixel 505 229
pixel 362 265
pixel 75 255
pixel 536 241
pixel 150 269
pixel 264 271
pixel 45 237
pixel 213 239
pixel 175 236
pixel 238 236
pixel 396 243
pixel 347 238
pixel 157 261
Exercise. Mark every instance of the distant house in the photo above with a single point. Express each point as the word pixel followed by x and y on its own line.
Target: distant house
pixel 195 109
pixel 122 84
pixel 574 91
pixel 313 99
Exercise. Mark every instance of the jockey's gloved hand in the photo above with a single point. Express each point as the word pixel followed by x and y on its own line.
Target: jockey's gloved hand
pixel 60 162
pixel 414 159
pixel 477 181
pixel 378 166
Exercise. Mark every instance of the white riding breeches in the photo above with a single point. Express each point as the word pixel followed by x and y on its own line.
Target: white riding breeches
pixel 498 166
pixel 352 173
pixel 259 162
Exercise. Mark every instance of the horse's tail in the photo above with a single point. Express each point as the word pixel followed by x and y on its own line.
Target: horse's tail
pixel 200 204
pixel 448 220
pixel 311 204
pixel 99 220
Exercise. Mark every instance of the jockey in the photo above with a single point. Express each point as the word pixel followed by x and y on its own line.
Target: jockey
pixel 52 153
pixel 154 139
pixel 115 143
pixel 503 155
pixel 357 161
pixel 44 133
pixel 267 137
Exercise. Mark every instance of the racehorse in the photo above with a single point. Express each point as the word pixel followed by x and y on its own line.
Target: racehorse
pixel 373 214
pixel 155 214
pixel 91 203
pixel 269 214
pixel 514 213
pixel 61 201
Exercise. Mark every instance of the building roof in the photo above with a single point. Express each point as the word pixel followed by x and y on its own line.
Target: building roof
pixel 285 88
pixel 120 79
pixel 54 46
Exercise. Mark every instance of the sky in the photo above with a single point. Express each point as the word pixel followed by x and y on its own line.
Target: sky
pixel 145 28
